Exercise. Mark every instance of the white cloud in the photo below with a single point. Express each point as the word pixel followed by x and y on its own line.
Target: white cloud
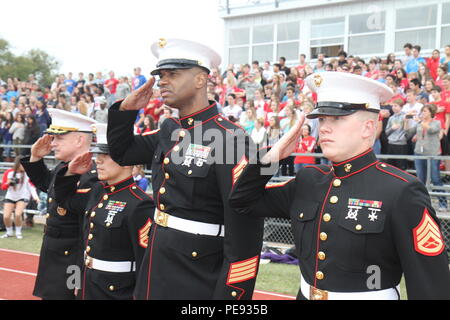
pixel 104 35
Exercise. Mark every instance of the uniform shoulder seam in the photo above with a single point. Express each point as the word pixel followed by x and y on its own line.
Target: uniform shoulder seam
pixel 395 172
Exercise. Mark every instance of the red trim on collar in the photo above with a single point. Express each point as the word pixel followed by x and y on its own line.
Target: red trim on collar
pixel 198 112
pixel 115 184
pixel 353 173
pixel 197 125
pixel 354 158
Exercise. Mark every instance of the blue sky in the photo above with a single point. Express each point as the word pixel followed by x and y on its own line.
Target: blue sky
pixel 104 35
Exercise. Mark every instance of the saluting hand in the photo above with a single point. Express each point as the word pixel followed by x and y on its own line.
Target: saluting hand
pixel 80 164
pixel 286 145
pixel 41 148
pixel 140 98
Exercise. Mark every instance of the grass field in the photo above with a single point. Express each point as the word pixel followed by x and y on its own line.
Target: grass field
pixel 272 277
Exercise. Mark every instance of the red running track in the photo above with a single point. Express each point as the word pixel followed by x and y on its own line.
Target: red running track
pixel 18 272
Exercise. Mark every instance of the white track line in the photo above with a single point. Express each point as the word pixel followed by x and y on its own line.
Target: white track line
pixel 20 252
pixel 274 294
pixel 18 271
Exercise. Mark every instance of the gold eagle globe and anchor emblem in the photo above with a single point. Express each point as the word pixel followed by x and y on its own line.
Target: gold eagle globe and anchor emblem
pixel 318 80
pixel 162 42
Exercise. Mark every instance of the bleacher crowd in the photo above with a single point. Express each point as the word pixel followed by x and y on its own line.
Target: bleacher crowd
pixel 264 98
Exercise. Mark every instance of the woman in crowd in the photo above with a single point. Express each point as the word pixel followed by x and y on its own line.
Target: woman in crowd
pixel 31 134
pixel 258 134
pixel 18 131
pixel 306 144
pixel 426 136
pixel 7 136
pixel 18 194
pixel 249 123
pixel 139 177
pixel 402 79
pixel 42 116
pixel 149 125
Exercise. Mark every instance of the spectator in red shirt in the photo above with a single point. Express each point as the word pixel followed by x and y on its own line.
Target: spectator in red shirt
pixel 307 144
pixel 446 88
pixel 149 125
pixel 373 72
pixel 112 83
pixel 433 63
pixel 302 63
pixel 402 79
pixel 155 106
pixel 442 72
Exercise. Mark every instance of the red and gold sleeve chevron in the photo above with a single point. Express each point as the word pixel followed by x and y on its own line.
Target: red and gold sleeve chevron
pixel 428 239
pixel 243 270
pixel 239 168
pixel 143 234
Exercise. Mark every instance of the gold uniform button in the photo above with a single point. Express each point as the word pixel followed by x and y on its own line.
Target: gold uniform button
pixel 108 224
pixel 112 188
pixel 320 275
pixel 234 294
pixel 194 254
pixel 66 253
pixel 91 225
pixel 86 213
pixel 50 200
pixel 383 165
pixel 176 148
pixel 358 227
pixel 162 207
pixel 134 187
pixel 323 236
pixel 100 205
pixel 105 197
pixel 166 161
pixel 162 190
pixel 327 217
pixel 337 183
pixel 334 200
pixel 182 134
pixel 189 172
pixel 88 249
pixel 90 236
pixel 190 121
pixel 167 176
pixel 301 215
pixel 321 255
pixel 111 288
pixel 92 214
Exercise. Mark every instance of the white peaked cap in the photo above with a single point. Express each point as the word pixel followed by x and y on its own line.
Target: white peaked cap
pixel 183 54
pixel 340 93
pixel 64 122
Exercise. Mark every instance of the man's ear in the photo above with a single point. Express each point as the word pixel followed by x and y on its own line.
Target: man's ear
pixel 201 80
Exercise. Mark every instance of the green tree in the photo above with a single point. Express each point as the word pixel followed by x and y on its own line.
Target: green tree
pixel 35 61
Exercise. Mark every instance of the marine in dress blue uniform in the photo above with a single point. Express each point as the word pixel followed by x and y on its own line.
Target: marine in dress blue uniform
pixel 61 246
pixel 199 248
pixel 357 217
pixel 117 219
